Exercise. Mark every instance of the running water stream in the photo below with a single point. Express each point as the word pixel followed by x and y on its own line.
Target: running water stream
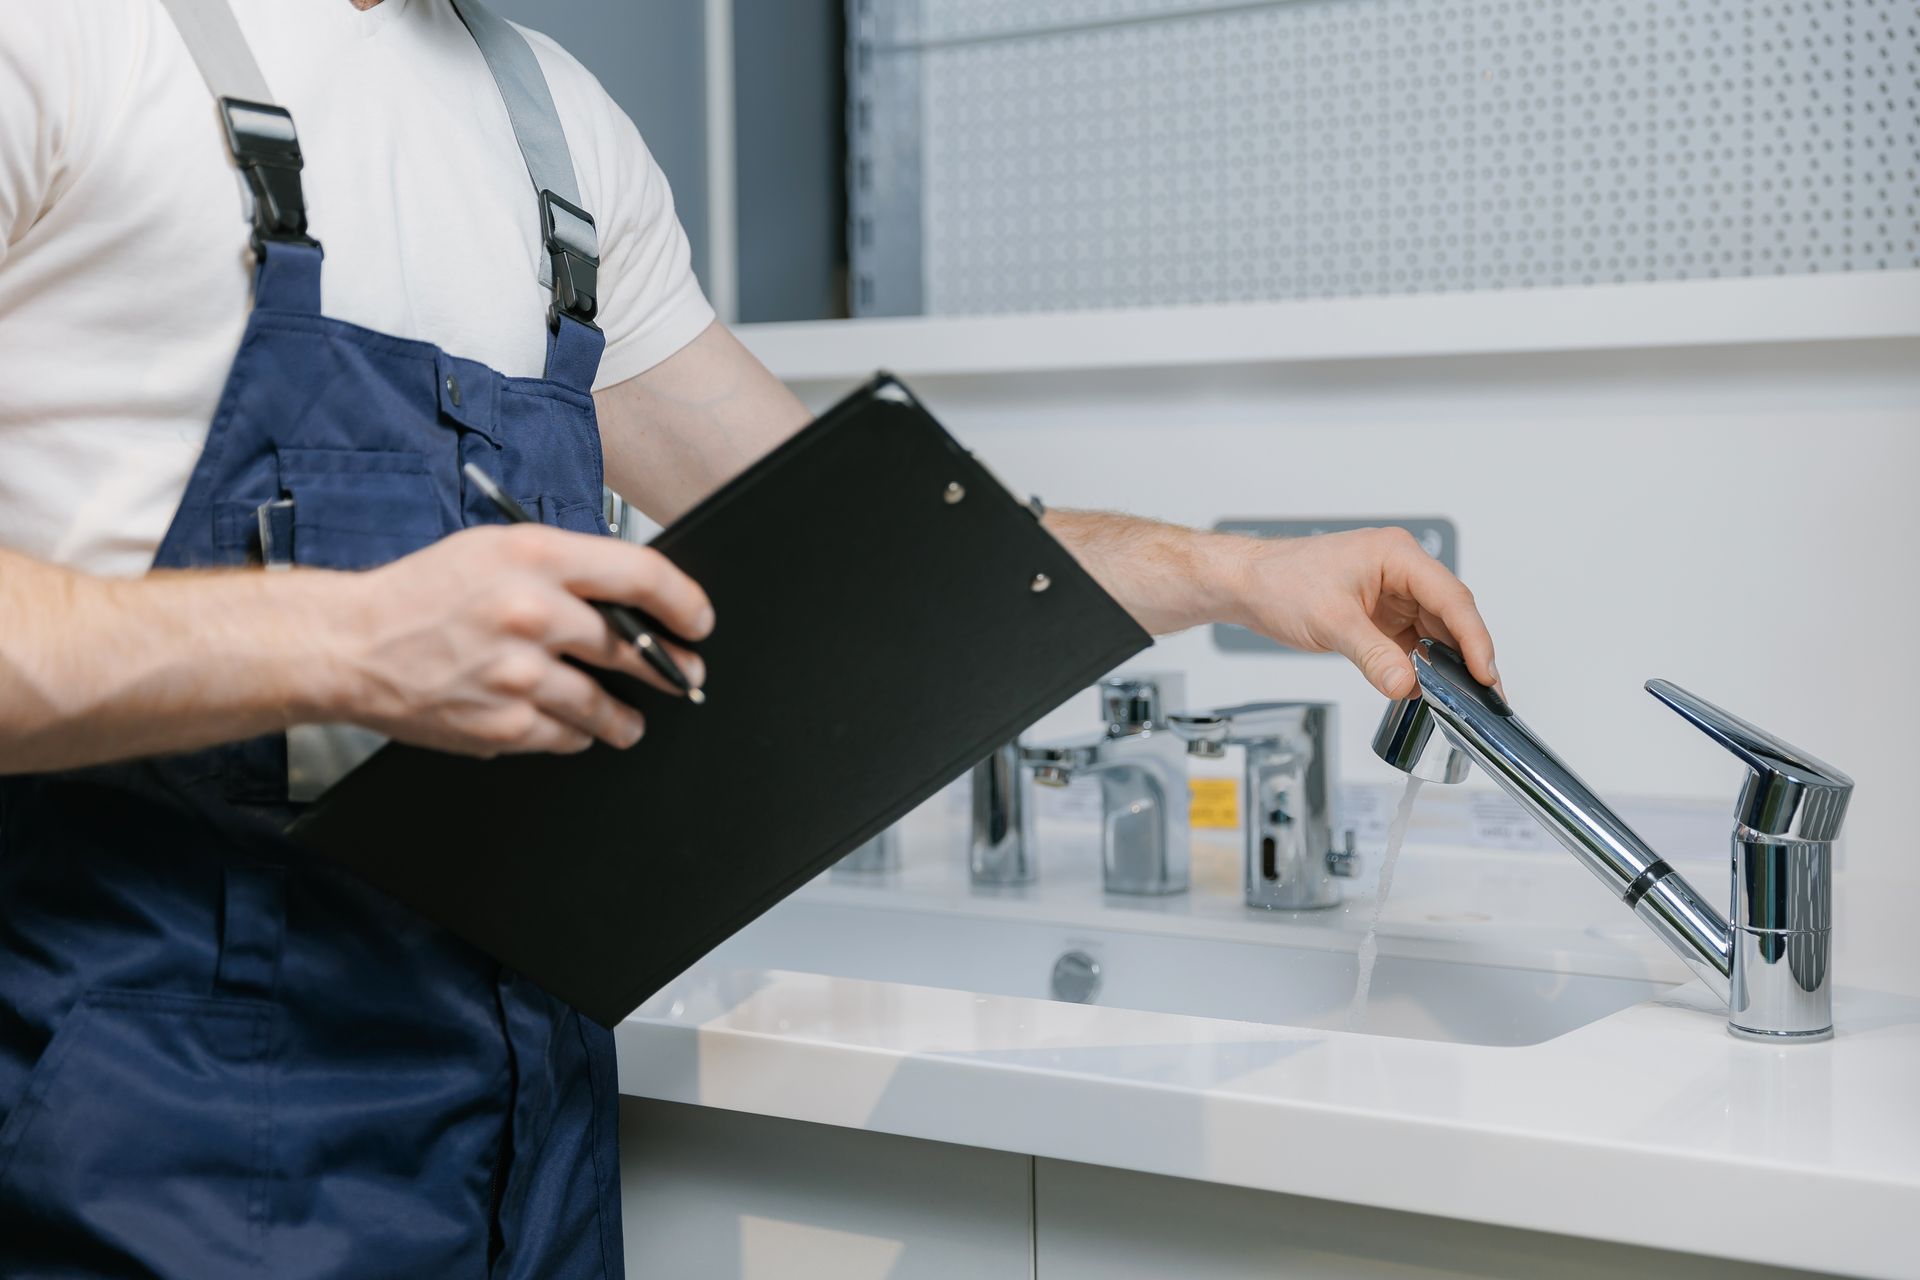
pixel 1370 945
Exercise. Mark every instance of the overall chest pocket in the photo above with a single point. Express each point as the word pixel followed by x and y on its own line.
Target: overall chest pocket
pixel 573 515
pixel 359 508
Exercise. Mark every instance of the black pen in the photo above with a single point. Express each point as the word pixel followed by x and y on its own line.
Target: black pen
pixel 625 622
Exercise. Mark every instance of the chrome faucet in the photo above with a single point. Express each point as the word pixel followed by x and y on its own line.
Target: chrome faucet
pixel 1001 847
pixel 1770 964
pixel 1142 768
pixel 1290 862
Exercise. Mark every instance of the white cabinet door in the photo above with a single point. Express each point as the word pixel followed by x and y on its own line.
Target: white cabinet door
pixel 720 1195
pixel 1105 1224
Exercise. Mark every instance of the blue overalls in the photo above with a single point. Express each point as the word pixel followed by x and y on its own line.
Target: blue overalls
pixel 222 1057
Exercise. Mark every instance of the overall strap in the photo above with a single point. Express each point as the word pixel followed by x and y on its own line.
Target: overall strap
pixel 219 50
pixel 571 262
pixel 265 150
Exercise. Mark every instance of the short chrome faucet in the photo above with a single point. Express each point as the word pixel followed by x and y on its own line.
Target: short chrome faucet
pixel 1142 769
pixel 1000 849
pixel 1770 964
pixel 1289 787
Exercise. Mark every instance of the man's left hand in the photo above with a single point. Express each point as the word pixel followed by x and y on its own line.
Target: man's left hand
pixel 1370 594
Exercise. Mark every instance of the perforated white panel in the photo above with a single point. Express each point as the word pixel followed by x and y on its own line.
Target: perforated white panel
pixel 1096 153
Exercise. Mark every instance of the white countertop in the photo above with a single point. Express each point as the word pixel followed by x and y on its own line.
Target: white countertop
pixel 1650 1126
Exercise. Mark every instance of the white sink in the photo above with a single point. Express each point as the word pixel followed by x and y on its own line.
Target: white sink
pixel 1422 999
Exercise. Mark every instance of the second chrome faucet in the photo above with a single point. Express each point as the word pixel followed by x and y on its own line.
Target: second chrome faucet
pixel 1140 756
pixel 1290 862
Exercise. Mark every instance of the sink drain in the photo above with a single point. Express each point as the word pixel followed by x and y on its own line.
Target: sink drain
pixel 1076 977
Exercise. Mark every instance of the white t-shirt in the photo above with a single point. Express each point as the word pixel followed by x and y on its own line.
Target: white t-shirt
pixel 124 269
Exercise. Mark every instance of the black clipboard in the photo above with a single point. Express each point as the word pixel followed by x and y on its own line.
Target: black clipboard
pixel 888 614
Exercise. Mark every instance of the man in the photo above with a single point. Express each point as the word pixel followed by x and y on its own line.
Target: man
pixel 217 1058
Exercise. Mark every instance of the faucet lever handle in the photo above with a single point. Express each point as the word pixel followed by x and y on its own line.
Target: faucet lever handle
pixel 1788 792
pixel 1247 722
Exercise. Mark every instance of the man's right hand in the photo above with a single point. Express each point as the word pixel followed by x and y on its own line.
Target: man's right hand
pixel 460 646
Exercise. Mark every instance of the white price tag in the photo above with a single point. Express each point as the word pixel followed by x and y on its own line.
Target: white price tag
pixel 1366 809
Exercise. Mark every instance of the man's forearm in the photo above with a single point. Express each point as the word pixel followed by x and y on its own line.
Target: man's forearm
pixel 677 431
pixel 96 669
pixel 1168 577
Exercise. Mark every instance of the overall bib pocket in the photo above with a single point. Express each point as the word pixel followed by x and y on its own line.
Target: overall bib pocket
pixel 576 517
pixel 359 508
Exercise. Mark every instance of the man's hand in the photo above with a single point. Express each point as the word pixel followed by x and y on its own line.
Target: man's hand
pixel 461 646
pixel 1370 594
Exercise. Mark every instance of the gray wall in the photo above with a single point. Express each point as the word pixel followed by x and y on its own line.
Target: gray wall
pixel 789 96
pixel 790 105
pixel 650 55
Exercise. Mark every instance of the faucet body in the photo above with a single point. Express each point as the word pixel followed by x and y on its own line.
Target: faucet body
pixel 1000 850
pixel 1142 768
pixel 1291 777
pixel 1770 963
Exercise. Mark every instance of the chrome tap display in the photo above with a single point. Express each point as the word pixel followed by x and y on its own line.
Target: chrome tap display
pixel 1142 769
pixel 1770 964
pixel 1290 862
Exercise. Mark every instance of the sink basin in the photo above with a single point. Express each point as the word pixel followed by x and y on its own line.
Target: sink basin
pixel 1420 999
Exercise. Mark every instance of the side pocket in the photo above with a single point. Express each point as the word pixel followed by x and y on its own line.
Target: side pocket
pixel 151 1109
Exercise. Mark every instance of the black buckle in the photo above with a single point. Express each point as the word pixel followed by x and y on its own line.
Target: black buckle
pixel 267 150
pixel 573 246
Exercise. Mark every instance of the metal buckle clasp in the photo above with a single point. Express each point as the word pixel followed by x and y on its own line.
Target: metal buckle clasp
pixel 267 151
pixel 573 245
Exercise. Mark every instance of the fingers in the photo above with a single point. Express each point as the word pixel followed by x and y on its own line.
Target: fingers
pixel 554 736
pixel 1434 626
pixel 606 569
pixel 1381 658
pixel 1444 599
pixel 571 697
pixel 691 664
pixel 516 730
pixel 580 632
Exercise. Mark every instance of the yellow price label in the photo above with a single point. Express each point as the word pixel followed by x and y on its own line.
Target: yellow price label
pixel 1215 803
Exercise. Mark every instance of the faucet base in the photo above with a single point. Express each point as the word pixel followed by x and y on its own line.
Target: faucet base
pixel 1780 1037
pixel 1292 898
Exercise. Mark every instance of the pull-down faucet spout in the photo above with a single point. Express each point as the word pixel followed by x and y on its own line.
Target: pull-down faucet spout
pixel 1770 963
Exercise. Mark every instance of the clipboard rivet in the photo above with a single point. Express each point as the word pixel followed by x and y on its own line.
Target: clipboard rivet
pixel 1041 582
pixel 955 492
